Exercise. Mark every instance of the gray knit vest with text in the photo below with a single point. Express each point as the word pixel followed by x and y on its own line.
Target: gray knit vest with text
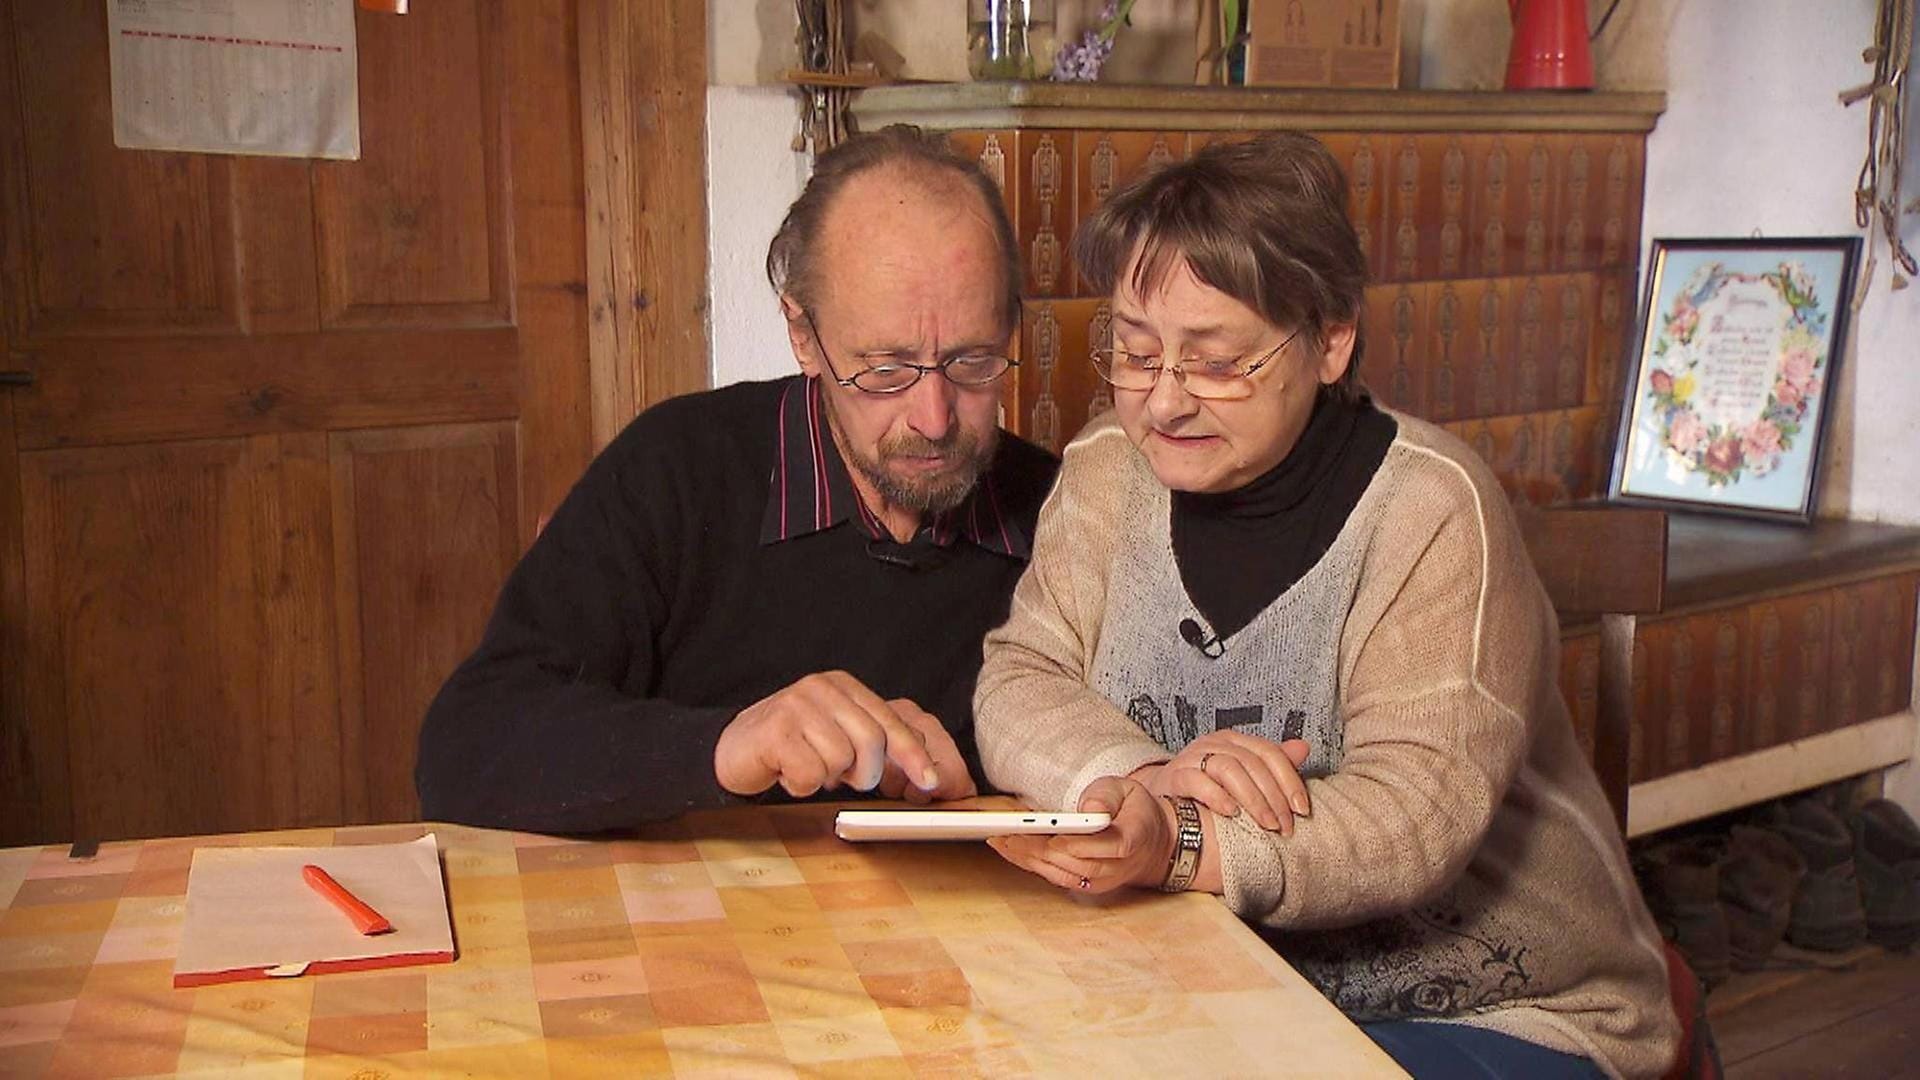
pixel 1278 677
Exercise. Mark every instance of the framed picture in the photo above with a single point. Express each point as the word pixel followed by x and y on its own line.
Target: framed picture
pixel 1739 345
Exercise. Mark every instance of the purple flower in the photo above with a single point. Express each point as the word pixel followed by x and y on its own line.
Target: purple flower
pixel 1081 61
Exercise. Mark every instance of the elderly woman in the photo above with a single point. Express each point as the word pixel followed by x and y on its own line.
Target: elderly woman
pixel 1248 554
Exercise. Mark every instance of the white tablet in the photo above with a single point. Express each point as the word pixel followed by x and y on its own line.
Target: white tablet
pixel 959 824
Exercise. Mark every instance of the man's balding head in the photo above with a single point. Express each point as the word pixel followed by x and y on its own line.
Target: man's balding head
pixel 924 172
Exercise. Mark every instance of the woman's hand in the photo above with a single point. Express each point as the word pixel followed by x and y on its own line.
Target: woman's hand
pixel 1135 849
pixel 1229 770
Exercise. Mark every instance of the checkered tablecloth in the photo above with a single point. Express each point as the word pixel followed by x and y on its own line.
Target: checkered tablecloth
pixel 748 942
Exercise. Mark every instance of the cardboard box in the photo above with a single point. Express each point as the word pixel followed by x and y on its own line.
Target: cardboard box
pixel 1343 43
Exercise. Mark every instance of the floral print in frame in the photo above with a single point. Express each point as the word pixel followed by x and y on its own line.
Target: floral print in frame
pixel 1739 348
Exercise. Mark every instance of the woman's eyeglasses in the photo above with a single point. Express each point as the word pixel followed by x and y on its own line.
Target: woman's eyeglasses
pixel 1213 378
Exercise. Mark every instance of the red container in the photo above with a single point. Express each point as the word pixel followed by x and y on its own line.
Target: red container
pixel 1549 46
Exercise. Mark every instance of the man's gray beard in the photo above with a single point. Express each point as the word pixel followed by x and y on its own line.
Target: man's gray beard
pixel 936 493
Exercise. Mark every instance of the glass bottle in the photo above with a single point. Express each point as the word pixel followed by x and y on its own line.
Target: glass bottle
pixel 1010 39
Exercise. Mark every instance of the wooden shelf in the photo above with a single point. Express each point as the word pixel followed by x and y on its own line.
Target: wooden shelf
pixel 1039 104
pixel 1711 560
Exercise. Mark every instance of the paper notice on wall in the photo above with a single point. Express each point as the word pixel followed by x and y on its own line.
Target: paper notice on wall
pixel 274 77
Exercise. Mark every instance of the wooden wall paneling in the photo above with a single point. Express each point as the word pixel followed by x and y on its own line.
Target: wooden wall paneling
pixel 1728 711
pixel 1853 641
pixel 1058 389
pixel 146 246
pixel 1769 716
pixel 1104 162
pixel 1571 455
pixel 274 199
pixel 1478 435
pixel 1572 301
pixel 1394 366
pixel 1644 716
pixel 1489 361
pixel 1894 652
pixel 1788 659
pixel 1580 685
pixel 1520 456
pixel 424 533
pixel 1413 204
pixel 993 150
pixel 1045 178
pixel 1613 325
pixel 643 96
pixel 545 81
pixel 407 235
pixel 1449 344
pixel 1622 180
pixel 234 386
pixel 1663 653
pixel 1037 412
pixel 141 566
pixel 1530 245
pixel 34 801
pixel 298 712
pixel 1364 159
pixel 1714 684
pixel 1458 153
pixel 1492 201
pixel 1579 183
pixel 1807 675
pixel 1682 674
pixel 1532 346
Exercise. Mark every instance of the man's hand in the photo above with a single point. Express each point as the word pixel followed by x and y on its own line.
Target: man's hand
pixel 955 782
pixel 1228 770
pixel 1135 849
pixel 825 730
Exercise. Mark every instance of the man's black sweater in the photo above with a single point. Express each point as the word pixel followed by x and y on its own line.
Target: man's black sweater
pixel 653 608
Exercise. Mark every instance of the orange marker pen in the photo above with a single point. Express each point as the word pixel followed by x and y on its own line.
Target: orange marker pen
pixel 365 919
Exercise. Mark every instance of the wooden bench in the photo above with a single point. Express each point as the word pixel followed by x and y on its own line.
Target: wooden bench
pixel 1780 657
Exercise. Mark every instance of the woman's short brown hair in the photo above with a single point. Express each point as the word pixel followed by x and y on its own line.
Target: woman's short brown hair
pixel 1263 220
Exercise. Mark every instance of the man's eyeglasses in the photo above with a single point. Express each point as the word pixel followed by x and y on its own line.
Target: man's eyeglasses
pixel 890 376
pixel 1213 378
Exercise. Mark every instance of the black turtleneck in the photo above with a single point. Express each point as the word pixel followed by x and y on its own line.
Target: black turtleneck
pixel 1239 550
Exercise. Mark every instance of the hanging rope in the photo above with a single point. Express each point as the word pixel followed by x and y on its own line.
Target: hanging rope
pixel 1876 197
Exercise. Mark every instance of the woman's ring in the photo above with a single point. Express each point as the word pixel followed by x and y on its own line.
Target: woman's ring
pixel 1204 758
pixel 1086 883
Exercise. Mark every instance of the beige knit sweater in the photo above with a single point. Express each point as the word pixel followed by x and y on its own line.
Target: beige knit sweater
pixel 1461 862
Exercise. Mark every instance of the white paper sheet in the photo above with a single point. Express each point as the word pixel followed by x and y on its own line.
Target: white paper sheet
pixel 249 908
pixel 273 77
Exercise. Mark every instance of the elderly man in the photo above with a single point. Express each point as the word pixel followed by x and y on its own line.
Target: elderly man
pixel 781 584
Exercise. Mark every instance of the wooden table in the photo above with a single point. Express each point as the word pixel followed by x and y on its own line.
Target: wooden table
pixel 748 942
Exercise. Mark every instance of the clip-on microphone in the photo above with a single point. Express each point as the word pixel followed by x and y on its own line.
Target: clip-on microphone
pixel 1210 647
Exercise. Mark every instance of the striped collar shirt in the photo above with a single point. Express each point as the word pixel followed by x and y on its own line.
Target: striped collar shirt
pixel 811 491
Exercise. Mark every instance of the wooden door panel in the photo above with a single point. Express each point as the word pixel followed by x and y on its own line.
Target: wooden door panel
pixel 34 796
pixel 415 233
pixel 143 389
pixel 274 199
pixel 140 596
pixel 146 245
pixel 290 421
pixel 425 530
pixel 293 586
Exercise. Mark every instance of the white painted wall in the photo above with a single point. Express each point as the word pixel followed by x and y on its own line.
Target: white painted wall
pixel 751 177
pixel 1755 138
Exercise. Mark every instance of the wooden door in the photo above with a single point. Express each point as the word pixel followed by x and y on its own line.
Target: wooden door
pixel 288 426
